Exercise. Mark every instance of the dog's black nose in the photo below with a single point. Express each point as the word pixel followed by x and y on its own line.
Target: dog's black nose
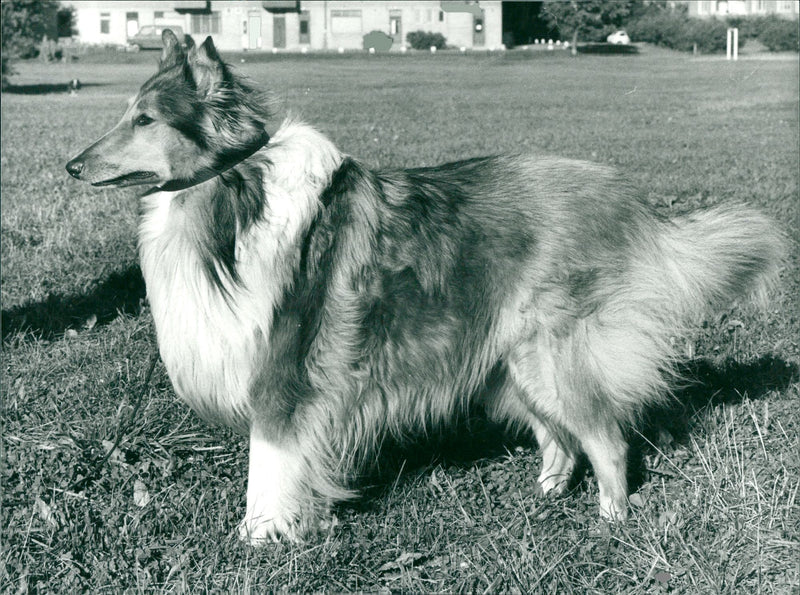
pixel 75 168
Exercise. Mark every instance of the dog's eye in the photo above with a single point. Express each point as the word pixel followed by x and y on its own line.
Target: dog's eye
pixel 143 120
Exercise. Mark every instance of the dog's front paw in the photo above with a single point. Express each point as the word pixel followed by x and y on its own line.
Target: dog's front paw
pixel 258 530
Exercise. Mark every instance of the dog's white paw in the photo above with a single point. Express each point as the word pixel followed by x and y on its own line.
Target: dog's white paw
pixel 261 530
pixel 555 485
pixel 614 510
pixel 275 494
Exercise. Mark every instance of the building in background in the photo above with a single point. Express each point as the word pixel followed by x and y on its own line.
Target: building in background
pixel 722 8
pixel 291 25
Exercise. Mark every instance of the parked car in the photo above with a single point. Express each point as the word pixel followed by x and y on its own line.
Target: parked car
pixel 149 37
pixel 618 38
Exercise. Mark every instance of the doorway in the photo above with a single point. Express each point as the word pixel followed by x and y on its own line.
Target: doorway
pixel 278 32
pixel 253 31
pixel 396 27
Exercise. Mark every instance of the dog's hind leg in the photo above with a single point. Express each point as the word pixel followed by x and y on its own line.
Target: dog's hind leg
pixel 509 403
pixel 552 392
pixel 607 451
pixel 558 462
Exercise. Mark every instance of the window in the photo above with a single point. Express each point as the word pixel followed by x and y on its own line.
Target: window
pixel 346 13
pixel 347 22
pixel 441 16
pixel 159 14
pixel 305 27
pixel 105 22
pixel 205 23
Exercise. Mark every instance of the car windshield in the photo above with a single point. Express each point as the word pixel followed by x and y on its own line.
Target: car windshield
pixel 146 30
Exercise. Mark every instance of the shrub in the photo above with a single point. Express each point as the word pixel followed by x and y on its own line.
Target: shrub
pixel 779 35
pixel 377 40
pixel 710 35
pixel 424 40
pixel 775 33
pixel 659 28
pixel 679 32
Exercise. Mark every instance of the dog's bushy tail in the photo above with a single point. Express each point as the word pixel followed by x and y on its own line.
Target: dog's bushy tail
pixel 681 271
pixel 708 259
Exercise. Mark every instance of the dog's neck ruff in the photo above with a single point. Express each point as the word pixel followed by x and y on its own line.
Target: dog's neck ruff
pixel 207 173
pixel 212 341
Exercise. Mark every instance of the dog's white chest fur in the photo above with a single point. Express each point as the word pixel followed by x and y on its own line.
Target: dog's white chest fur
pixel 210 343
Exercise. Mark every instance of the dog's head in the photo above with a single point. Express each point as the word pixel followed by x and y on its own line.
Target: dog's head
pixel 193 118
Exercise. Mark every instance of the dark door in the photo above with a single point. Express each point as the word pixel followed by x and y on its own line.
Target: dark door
pixel 278 32
pixel 478 33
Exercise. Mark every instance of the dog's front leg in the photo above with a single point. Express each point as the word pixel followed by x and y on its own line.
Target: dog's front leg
pixel 274 491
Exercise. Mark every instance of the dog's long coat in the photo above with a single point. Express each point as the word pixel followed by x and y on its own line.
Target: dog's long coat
pixel 319 305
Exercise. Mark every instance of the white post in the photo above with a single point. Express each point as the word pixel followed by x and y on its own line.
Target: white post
pixel 733 44
pixel 728 44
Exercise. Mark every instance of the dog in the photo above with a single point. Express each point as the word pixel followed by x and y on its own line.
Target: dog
pixel 319 306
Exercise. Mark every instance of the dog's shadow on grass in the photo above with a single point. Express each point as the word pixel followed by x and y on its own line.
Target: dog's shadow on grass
pixel 120 293
pixel 467 443
pixel 45 88
pixel 706 386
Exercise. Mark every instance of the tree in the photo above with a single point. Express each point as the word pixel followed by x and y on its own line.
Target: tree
pixel 24 23
pixel 587 19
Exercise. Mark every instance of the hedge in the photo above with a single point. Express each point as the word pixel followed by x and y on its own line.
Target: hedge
pixel 424 40
pixel 676 31
pixel 679 32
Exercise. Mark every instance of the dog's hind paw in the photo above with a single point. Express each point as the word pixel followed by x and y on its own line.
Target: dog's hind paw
pixel 261 531
pixel 615 511
pixel 553 485
pixel 258 531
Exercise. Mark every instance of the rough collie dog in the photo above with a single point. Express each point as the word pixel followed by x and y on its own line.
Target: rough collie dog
pixel 320 306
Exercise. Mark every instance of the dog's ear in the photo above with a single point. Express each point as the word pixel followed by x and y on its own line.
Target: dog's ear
pixel 188 42
pixel 173 53
pixel 208 70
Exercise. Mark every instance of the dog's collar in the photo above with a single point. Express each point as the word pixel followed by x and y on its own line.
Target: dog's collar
pixel 207 173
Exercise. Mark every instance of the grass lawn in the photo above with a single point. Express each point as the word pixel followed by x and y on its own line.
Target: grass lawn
pixel 717 507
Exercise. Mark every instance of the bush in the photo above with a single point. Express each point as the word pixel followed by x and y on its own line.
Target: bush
pixel 710 35
pixel 679 32
pixel 377 40
pixel 780 35
pixel 424 40
pixel 658 28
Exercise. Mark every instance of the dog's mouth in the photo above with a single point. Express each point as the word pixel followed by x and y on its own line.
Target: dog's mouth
pixel 130 179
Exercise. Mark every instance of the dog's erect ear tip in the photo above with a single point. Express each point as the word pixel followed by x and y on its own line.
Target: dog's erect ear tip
pixel 172 53
pixel 208 47
pixel 207 53
pixel 188 41
pixel 168 37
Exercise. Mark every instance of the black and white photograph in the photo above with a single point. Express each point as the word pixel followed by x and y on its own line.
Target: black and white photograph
pixel 405 296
